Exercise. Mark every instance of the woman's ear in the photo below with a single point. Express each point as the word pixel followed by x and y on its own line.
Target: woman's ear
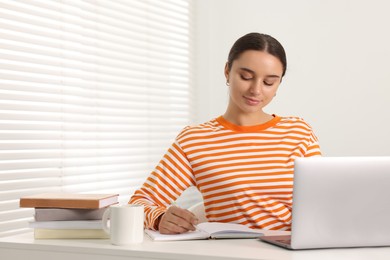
pixel 226 72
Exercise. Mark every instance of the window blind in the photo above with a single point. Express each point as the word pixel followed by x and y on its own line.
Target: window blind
pixel 92 93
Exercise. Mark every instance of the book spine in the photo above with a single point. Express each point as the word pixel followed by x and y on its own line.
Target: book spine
pixel 56 214
pixel 68 200
pixel 71 224
pixel 53 203
pixel 70 234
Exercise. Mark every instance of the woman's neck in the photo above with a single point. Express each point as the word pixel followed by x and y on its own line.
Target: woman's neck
pixel 247 119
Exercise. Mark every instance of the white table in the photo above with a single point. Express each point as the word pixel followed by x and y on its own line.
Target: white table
pixel 24 247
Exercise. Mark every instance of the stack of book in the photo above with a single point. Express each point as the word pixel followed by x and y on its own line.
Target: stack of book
pixel 68 215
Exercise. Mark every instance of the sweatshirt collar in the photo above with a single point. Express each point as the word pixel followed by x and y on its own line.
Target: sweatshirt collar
pixel 252 128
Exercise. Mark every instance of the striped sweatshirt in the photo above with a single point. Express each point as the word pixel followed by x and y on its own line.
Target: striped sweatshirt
pixel 244 173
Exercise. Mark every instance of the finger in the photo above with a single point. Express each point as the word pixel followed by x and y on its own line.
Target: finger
pixel 168 224
pixel 185 214
pixel 172 221
pixel 183 218
pixel 171 228
pixel 180 222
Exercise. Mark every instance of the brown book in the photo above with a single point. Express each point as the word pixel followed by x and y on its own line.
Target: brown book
pixel 68 200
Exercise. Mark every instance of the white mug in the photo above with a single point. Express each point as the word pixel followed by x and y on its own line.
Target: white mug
pixel 126 224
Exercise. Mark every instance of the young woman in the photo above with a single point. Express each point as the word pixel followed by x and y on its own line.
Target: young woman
pixel 242 162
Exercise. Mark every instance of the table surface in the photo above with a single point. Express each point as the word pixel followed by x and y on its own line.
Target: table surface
pixel 18 246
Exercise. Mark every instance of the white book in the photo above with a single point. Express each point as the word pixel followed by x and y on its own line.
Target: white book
pixel 72 224
pixel 70 234
pixel 209 230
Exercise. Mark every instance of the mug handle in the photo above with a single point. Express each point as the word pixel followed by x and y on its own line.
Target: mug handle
pixel 106 216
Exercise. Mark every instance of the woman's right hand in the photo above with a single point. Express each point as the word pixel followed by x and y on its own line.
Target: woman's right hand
pixel 177 220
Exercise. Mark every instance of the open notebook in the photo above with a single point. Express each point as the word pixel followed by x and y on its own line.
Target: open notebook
pixel 209 230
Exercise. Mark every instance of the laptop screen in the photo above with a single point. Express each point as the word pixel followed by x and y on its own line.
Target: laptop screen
pixel 341 202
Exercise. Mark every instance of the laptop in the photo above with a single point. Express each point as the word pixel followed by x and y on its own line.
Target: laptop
pixel 339 202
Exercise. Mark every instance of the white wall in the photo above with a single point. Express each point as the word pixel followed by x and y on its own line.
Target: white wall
pixel 338 75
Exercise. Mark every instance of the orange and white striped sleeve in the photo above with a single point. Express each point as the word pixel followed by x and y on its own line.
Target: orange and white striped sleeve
pixel 313 147
pixel 165 184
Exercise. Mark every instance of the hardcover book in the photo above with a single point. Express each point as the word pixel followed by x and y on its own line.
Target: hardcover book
pixel 70 234
pixel 71 224
pixel 68 200
pixel 55 214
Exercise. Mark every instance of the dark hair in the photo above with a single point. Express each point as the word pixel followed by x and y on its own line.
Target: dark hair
pixel 258 42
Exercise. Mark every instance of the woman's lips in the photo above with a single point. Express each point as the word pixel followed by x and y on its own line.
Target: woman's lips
pixel 251 101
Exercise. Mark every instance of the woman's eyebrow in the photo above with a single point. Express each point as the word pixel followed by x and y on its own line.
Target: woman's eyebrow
pixel 252 72
pixel 247 70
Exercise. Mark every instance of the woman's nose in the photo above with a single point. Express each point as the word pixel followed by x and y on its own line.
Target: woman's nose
pixel 255 89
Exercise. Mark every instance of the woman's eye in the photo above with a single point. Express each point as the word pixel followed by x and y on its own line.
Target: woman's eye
pixel 246 77
pixel 268 83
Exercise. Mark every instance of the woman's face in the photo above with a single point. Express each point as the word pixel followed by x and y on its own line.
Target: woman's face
pixel 254 79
